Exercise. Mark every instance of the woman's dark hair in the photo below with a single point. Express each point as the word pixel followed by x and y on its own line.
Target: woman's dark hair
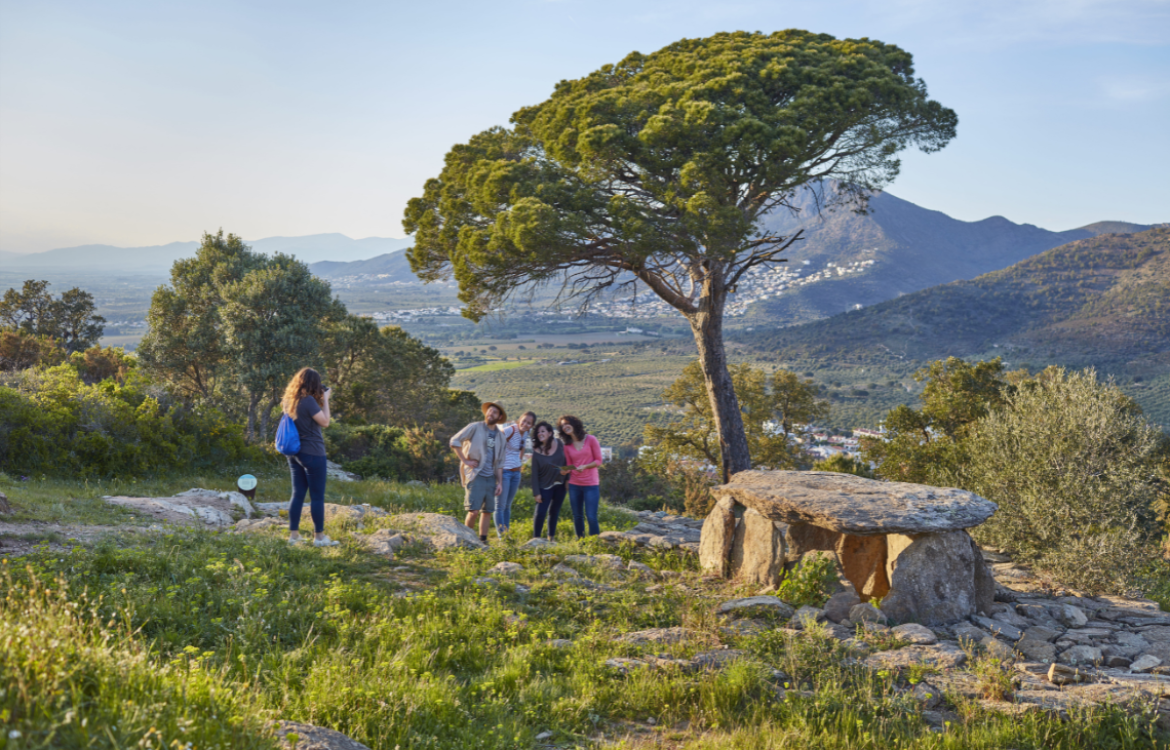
pixel 307 382
pixel 578 429
pixel 546 446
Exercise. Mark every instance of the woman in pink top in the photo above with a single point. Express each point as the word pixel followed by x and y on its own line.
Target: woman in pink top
pixel 583 456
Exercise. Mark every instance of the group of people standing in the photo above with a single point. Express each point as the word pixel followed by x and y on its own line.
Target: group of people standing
pixel 565 462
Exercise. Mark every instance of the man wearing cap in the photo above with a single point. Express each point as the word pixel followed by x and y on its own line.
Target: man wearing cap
pixel 480 449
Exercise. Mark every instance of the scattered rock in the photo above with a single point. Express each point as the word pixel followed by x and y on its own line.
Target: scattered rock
pixel 998 628
pixel 625 666
pixel 927 695
pixel 564 571
pixel 537 543
pixel 656 635
pixel 1060 674
pixel 438 531
pixel 194 507
pixel 334 471
pixel 717 659
pixel 807 615
pixel 1070 616
pixel 866 612
pixel 1041 633
pixel 506 568
pixel 1035 649
pixel 839 604
pixel 560 643
pixel 251 525
pixel 1144 663
pixel 757 605
pixel 613 562
pixel 943 655
pixel 1081 655
pixel 309 737
pixel 641 570
pixel 385 542
pixel 912 632
pixel 997 649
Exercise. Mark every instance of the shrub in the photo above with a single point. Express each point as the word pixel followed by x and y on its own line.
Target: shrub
pixel 393 453
pixel 54 423
pixel 1071 462
pixel 843 464
pixel 810 583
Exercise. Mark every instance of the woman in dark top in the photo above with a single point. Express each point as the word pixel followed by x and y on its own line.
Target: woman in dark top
pixel 548 482
pixel 306 402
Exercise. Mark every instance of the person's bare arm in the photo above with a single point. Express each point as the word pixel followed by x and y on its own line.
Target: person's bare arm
pixel 322 417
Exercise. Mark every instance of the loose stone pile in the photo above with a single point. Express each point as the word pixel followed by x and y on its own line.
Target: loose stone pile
pixel 902 543
pixel 660 530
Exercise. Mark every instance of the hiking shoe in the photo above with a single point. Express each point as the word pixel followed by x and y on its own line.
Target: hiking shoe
pixel 325 542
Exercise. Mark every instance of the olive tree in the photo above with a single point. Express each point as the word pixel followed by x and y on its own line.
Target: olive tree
pixel 656 173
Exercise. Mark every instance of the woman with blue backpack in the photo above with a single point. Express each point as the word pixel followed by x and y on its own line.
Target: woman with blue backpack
pixel 306 411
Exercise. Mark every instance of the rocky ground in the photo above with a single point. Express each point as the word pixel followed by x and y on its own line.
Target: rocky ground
pixel 1039 649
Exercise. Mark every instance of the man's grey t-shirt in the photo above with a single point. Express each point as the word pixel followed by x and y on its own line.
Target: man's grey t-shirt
pixel 312 441
pixel 485 464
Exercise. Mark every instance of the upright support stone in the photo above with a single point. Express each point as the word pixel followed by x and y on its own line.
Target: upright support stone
pixel 757 552
pixel 863 558
pixel 933 578
pixel 716 539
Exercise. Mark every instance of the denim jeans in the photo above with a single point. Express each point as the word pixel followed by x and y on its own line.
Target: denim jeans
pixel 308 475
pixel 584 499
pixel 504 503
pixel 550 507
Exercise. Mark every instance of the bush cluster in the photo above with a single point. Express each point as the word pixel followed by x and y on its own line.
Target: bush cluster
pixel 53 422
pixel 392 453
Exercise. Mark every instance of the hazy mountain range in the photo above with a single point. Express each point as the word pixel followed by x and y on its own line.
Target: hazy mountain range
pixel 913 248
pixel 157 259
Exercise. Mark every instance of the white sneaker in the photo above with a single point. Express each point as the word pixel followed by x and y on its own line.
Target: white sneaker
pixel 325 542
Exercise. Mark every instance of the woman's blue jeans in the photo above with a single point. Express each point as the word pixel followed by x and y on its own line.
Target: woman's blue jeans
pixel 549 507
pixel 308 475
pixel 504 501
pixel 584 500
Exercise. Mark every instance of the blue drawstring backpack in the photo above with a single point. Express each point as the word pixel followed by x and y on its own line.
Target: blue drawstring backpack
pixel 288 440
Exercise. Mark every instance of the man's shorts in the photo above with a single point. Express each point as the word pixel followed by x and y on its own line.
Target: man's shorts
pixel 481 494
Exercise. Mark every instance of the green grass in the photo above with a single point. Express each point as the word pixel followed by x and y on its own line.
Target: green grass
pixel 206 636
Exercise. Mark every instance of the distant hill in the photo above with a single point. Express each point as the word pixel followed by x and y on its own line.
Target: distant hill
pixel 1102 301
pixel 913 248
pixel 393 265
pixel 157 259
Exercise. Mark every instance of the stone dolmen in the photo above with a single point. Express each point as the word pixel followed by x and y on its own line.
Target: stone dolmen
pixel 901 543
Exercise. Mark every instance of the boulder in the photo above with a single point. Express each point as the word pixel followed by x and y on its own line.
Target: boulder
pixel 506 568
pixel 997 649
pixel 757 605
pixel 309 737
pixel 866 612
pixel 642 570
pixel 385 542
pixel 437 530
pixel 1081 655
pixel 757 550
pixel 564 571
pixel 1130 644
pixel 855 505
pixel 839 604
pixel 334 471
pixel 1035 649
pixel 1144 663
pixel 916 634
pixel 933 580
pixel 806 616
pixel 716 539
pixel 1060 674
pixel 1070 616
pixel 1041 633
pixel 195 507
pixel 942 655
pixel 252 525
pixel 998 627
pixel 536 543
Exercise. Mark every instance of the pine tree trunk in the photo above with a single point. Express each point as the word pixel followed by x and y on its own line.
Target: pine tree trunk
pixel 707 326
pixel 250 432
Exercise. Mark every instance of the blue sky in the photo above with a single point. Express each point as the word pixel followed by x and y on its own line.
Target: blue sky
pixel 137 123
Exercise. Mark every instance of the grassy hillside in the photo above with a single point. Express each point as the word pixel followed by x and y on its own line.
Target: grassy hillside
pixel 1102 302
